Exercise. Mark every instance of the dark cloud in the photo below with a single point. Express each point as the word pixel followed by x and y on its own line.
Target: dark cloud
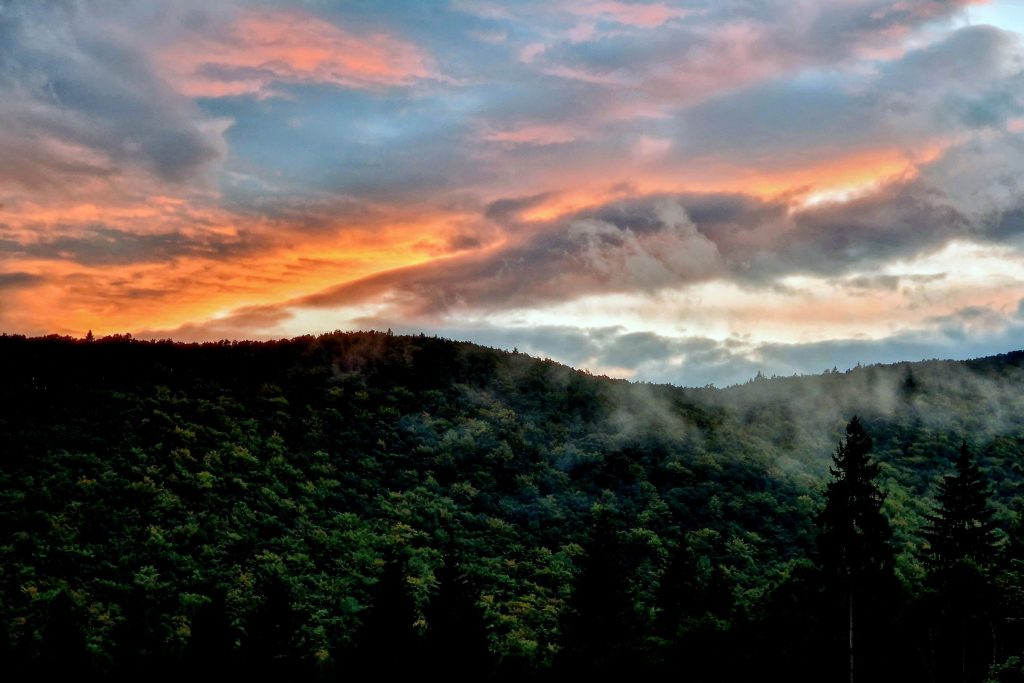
pixel 659 242
pixel 778 121
pixel 103 246
pixel 658 246
pixel 463 241
pixel 899 220
pixel 384 147
pixel 17 280
pixel 633 349
pixel 888 282
pixel 512 207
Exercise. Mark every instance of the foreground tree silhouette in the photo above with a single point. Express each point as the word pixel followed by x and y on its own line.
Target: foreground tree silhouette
pixel 62 648
pixel 211 646
pixel 853 539
pixel 389 642
pixel 271 646
pixel 961 534
pixel 456 641
pixel 962 527
pixel 599 629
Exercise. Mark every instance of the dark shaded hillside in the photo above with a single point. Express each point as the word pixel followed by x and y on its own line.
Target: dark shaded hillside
pixel 298 504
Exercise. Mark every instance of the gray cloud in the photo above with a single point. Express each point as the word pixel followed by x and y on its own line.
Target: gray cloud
pixel 17 280
pixel 899 220
pixel 659 247
pixel 718 46
pixel 696 361
pixel 668 241
pixel 971 79
pixel 78 98
pixel 867 283
pixel 510 208
pixel 99 245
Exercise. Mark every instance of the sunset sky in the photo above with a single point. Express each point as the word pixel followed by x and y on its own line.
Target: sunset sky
pixel 688 192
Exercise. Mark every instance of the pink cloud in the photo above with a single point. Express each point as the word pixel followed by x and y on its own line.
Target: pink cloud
pixel 535 135
pixel 640 16
pixel 267 46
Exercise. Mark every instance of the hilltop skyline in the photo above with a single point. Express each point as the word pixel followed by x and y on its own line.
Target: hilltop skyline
pixel 688 192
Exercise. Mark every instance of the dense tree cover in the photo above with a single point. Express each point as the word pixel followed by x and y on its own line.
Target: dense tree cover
pixel 362 502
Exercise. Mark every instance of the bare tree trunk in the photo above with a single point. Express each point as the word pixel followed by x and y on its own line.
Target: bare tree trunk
pixel 851 628
pixel 963 649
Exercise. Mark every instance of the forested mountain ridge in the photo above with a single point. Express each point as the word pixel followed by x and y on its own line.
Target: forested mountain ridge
pixel 361 501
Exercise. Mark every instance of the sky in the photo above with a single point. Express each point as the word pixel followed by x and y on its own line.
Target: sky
pixel 689 192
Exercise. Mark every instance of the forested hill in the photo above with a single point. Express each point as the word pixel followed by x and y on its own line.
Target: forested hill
pixel 327 506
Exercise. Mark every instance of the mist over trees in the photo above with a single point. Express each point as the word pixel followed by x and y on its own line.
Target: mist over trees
pixel 362 504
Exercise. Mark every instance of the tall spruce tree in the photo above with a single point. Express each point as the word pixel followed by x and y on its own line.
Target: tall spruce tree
pixel 853 539
pixel 961 535
pixel 962 527
pixel 456 641
pixel 388 644
pixel 272 646
pixel 599 628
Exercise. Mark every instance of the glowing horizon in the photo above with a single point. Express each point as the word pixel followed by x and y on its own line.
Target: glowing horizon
pixel 673 191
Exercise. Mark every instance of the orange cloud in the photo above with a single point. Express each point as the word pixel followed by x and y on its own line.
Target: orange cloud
pixel 816 177
pixel 268 46
pixel 114 264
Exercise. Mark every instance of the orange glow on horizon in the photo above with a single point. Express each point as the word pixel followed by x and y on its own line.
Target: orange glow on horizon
pixel 288 265
pixel 164 294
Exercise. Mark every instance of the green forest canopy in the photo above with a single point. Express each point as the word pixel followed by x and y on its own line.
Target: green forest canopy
pixel 305 502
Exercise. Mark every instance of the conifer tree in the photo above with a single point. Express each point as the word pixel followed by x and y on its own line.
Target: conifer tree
pixel 211 646
pixel 456 642
pixel 272 642
pixel 961 535
pixel 388 642
pixel 600 626
pixel 962 527
pixel 62 649
pixel 853 539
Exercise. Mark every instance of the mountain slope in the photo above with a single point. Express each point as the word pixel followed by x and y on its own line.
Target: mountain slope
pixel 142 483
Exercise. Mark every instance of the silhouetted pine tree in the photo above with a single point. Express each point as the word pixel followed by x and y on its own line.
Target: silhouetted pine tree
pixel 388 642
pixel 62 650
pixel 599 633
pixel 853 542
pixel 272 634
pixel 962 527
pixel 791 643
pixel 456 642
pixel 212 642
pixel 134 643
pixel 961 534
